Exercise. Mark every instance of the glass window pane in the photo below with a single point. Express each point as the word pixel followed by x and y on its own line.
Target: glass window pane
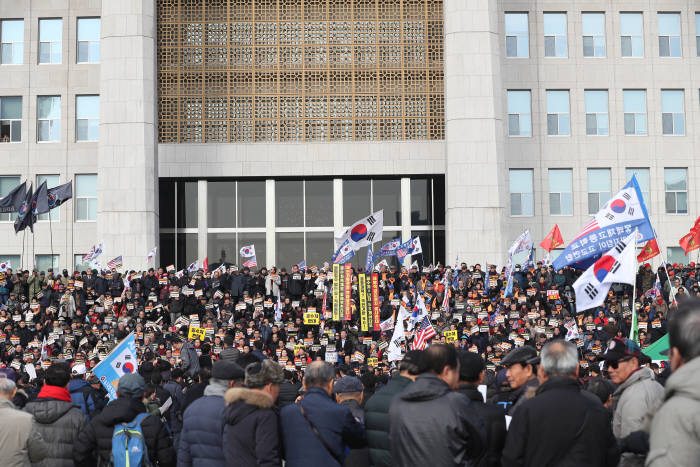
pixel 554 204
pixel 221 204
pixel 319 203
pixel 675 179
pixel 516 23
pixel 678 124
pixel 511 46
pixel 682 202
pixel 555 23
pixel 642 177
pixel 166 204
pixel 88 106
pixel 588 50
pixel 289 204
pixel 676 255
pixel 83 52
pixel 426 243
pixel 8 184
pixel 83 130
pixel 560 180
pixel 88 29
pixel 92 209
pixel 552 124
pixel 593 205
pixel 387 196
pixel 290 249
pixel 85 186
pixel 626 46
pixel 521 181
pixel 44 52
pixel 630 24
pixel 593 24
pixel 591 124
pixel 319 248
pixel 12 30
pixel 670 200
pixel 256 239
pixel 46 262
pixel 94 52
pixel 557 101
pixel 664 47
pixel 598 180
pixel 186 249
pixel 49 107
pixel 421 208
pixel 667 123
pixel 513 125
pixel 567 204
pixel 672 100
pixel 11 108
pixel 564 124
pixel 251 205
pixel 16 132
pixel 187 196
pixel 596 101
pixel 550 46
pixel 50 29
pixel 221 248
pixel 356 200
pixel 518 102
pixel 634 101
pixel 669 24
pixel 55 53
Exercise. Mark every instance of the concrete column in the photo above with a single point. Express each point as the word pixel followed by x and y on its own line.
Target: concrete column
pixel 127 192
pixel 475 177
pixel 202 220
pixel 405 215
pixel 337 206
pixel 270 223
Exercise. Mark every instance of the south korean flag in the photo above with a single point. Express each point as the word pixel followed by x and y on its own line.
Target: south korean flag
pixel 363 232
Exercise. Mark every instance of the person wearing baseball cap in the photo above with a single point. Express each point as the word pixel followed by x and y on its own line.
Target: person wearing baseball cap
pixel 521 372
pixel 637 395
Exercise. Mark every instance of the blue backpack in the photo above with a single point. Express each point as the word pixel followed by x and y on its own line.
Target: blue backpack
pixel 128 444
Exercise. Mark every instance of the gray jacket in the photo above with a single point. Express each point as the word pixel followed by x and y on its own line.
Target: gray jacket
pixel 230 353
pixel 634 402
pixel 59 423
pixel 20 442
pixel 675 439
pixel 190 359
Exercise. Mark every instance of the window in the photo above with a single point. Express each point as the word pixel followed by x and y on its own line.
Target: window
pixel 676 187
pixel 558 113
pixel 51 182
pixel 598 189
pixel 669 34
pixel 555 35
pixel 519 113
pixel 80 266
pixel 88 40
pixel 86 197
pixel 10 119
pixel 632 34
pixel 49 114
pixel 517 42
pixel 676 255
pixel 596 112
pixel 46 262
pixel 643 180
pixel 634 102
pixel 593 25
pixel 522 201
pixel 697 34
pixel 672 113
pixel 13 262
pixel 7 184
pixel 50 33
pixel 12 42
pixel 87 117
pixel 560 193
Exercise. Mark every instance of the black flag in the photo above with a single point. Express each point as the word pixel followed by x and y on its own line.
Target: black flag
pixel 14 199
pixel 24 213
pixel 40 201
pixel 59 194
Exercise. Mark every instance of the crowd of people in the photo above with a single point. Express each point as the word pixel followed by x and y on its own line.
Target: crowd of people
pixel 523 379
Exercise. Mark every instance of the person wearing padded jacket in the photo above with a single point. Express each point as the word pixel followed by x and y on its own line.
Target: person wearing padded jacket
pixel 94 443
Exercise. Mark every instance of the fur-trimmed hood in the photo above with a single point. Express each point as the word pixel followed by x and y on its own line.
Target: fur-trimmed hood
pixel 248 396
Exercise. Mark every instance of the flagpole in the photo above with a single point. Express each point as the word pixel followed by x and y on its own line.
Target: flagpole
pixel 51 235
pixel 671 295
pixel 633 331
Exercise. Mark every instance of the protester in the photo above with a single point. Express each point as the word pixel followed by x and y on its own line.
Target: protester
pixel 20 441
pixel 203 421
pixel 674 436
pixel 636 398
pixel 251 430
pixel 349 392
pixel 316 430
pixel 561 425
pixel 94 443
pixel 57 420
pixel 81 393
pixel 521 372
pixel 289 390
pixel 377 409
pixel 471 375
pixel 430 423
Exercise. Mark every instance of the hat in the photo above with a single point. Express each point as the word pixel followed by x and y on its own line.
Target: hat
pixel 524 355
pixel 347 384
pixel 131 385
pixel 259 374
pixel 621 347
pixel 227 370
pixel 8 373
pixel 78 369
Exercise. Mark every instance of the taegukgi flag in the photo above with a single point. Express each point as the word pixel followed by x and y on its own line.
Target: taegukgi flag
pixel 119 362
pixel 617 265
pixel 248 251
pixel 363 232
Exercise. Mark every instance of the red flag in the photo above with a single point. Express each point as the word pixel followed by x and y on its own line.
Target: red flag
pixel 205 265
pixel 650 250
pixel 553 239
pixel 688 243
pixel 695 230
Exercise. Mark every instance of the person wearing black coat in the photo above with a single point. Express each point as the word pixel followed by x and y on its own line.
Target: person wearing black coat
pixel 296 284
pixel 289 391
pixel 561 425
pixel 471 374
pixel 95 440
pixel 236 286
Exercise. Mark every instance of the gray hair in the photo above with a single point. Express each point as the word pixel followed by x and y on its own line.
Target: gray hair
pixel 319 374
pixel 684 329
pixel 559 358
pixel 6 386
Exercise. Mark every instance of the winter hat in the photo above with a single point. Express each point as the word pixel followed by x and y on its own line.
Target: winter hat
pixel 259 374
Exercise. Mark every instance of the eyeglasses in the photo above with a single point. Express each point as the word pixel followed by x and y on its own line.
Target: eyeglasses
pixel 613 364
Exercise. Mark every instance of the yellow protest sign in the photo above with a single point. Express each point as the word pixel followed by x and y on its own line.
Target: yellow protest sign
pixel 450 336
pixel 197 333
pixel 372 361
pixel 311 318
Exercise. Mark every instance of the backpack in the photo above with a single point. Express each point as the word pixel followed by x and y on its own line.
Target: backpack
pixel 128 444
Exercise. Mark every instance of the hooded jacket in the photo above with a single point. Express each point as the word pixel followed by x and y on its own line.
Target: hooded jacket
pixel 202 429
pixel 634 402
pixel 96 438
pixel 432 425
pixel 494 422
pixel 59 422
pixel 251 433
pixel 675 438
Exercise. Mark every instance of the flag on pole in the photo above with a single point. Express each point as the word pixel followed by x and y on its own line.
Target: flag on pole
pixel 617 219
pixel 655 291
pixel 59 194
pixel 381 264
pixel 416 248
pixel 553 239
pixel 115 263
pixel 248 251
pixel 688 243
pixel 205 264
pixel 389 249
pixel 252 262
pixel 634 329
pixel 14 199
pixel 404 250
pixel 40 201
pixel 394 349
pixel 343 254
pixel 302 265
pixel 426 331
pixel 4 266
pixel 88 256
pixel 44 352
pixel 650 250
pixel 120 361
pixel 24 212
pixel 572 332
pixel 363 232
pixel 369 261
pixel 98 251
pixel 152 253
pixel 278 310
pixel 487 287
pixel 617 265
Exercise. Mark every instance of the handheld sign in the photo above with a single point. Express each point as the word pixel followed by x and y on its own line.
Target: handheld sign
pixel 197 333
pixel 311 318
pixel 450 336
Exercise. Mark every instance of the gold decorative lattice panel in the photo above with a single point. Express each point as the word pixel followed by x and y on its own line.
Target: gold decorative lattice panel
pixel 300 70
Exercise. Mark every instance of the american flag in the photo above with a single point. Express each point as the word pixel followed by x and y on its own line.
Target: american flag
pixel 424 334
pixel 590 227
pixel 115 263
pixel 446 298
pixel 251 263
